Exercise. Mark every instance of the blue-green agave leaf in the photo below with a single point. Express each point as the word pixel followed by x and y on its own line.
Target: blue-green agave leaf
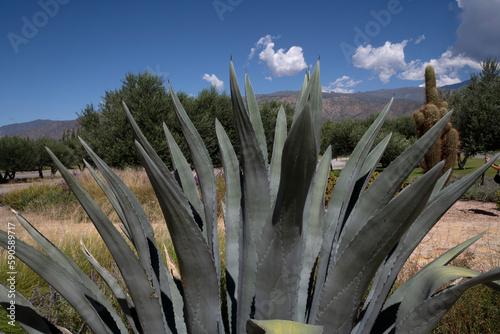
pixel 186 177
pixel 196 263
pixel 177 301
pixel 111 197
pixel 339 204
pixel 126 304
pixel 438 204
pixel 72 270
pixel 26 315
pixel 255 118
pixel 141 232
pixel 314 216
pixel 281 327
pixel 279 141
pixel 146 300
pixel 443 260
pixel 73 291
pixel 205 172
pixel 280 255
pixel 302 99
pixel 312 93
pixel 424 316
pixel 233 224
pixel 256 198
pixel 362 253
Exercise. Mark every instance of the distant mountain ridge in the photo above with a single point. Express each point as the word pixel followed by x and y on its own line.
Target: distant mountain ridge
pixel 40 128
pixel 336 106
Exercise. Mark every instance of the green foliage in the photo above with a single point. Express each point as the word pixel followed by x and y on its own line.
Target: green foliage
pixel 37 197
pixel 345 134
pixel 446 147
pixel 477 112
pixel 278 234
pixel 19 154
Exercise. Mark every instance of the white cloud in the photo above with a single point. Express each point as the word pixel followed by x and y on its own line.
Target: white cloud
pixel 446 68
pixel 420 39
pixel 281 63
pixel 269 78
pixel 214 81
pixel 341 85
pixel 384 61
pixel 479 31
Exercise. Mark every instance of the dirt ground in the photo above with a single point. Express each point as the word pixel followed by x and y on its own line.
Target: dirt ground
pixel 464 220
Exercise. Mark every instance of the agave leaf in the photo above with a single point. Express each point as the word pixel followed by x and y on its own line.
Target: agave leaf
pixel 174 279
pixel 438 204
pixel 390 180
pixel 256 198
pixel 185 173
pixel 200 282
pixel 72 270
pixel 312 93
pixel 302 99
pixel 141 232
pixel 123 299
pixel 255 117
pixel 111 197
pixel 314 215
pixel 280 255
pixel 362 253
pixel 205 171
pixel 281 327
pixel 366 172
pixel 339 203
pixel 233 224
pixel 442 260
pixel 26 315
pixel 73 291
pixel 424 316
pixel 279 141
pixel 144 296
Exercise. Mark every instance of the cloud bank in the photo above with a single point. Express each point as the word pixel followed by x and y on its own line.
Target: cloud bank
pixel 214 81
pixel 280 63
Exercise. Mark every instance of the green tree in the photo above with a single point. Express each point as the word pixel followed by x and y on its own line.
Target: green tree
pixel 106 129
pixel 16 155
pixel 477 112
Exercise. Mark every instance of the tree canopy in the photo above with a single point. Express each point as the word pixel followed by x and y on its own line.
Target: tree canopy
pixel 477 112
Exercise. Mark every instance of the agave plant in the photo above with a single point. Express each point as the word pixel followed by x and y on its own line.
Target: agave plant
pixel 290 265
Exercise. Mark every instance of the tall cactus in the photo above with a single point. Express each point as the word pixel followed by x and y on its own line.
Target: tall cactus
pixel 446 147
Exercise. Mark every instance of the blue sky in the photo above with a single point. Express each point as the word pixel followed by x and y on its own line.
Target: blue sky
pixel 59 55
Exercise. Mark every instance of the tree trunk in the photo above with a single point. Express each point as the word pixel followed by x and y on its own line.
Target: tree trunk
pixel 40 172
pixel 461 162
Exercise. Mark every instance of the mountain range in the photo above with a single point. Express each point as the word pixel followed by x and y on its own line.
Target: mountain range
pixel 336 106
